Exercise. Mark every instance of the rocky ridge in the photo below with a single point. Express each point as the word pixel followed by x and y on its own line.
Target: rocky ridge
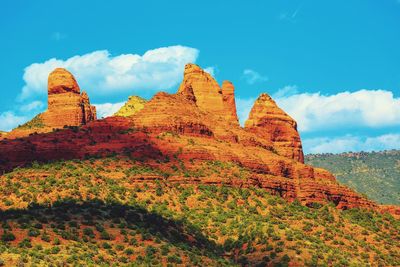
pixel 197 124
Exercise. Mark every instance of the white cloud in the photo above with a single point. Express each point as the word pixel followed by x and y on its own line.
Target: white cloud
pixel 107 109
pixel 286 91
pixel 33 106
pixel 253 77
pixel 8 120
pixel 210 70
pixel 363 108
pixel 243 107
pixel 100 73
pixel 351 143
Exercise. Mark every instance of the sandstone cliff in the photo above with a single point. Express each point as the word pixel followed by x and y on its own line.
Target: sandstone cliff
pixel 201 87
pixel 195 126
pixel 228 94
pixel 270 122
pixel 66 107
pixel 133 105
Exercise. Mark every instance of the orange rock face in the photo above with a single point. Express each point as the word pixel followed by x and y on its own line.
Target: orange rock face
pixel 192 128
pixel 66 106
pixel 205 89
pixel 228 94
pixel 270 122
pixel 61 81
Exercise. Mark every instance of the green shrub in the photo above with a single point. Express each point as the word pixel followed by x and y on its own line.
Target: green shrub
pixel 89 232
pixel 174 259
pixel 33 232
pixel 8 236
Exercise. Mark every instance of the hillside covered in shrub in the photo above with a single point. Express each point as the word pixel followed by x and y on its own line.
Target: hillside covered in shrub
pixel 375 174
pixel 110 212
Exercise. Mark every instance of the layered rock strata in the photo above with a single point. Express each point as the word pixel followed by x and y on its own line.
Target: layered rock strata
pixel 268 121
pixel 228 97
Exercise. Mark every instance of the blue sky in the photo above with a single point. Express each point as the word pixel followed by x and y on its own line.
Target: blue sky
pixel 332 65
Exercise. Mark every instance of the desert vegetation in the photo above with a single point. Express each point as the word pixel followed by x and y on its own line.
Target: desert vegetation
pixel 99 212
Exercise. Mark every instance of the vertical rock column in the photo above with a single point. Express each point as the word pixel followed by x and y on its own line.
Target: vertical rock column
pixel 66 106
pixel 270 122
pixel 228 94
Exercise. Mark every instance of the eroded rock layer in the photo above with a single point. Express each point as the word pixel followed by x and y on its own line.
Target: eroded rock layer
pixel 268 121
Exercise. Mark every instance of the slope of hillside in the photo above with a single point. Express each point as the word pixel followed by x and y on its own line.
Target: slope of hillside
pixel 112 211
pixel 376 174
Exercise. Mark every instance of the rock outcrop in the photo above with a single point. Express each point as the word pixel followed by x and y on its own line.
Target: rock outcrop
pixel 268 121
pixel 66 107
pixel 190 129
pixel 207 93
pixel 209 97
pixel 228 94
pixel 132 106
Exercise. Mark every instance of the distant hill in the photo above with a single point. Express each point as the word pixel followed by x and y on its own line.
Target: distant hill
pixel 376 174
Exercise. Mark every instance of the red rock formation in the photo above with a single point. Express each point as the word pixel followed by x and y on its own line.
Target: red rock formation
pixel 270 122
pixel 89 111
pixel 206 90
pixel 62 81
pixel 187 128
pixel 66 107
pixel 228 94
